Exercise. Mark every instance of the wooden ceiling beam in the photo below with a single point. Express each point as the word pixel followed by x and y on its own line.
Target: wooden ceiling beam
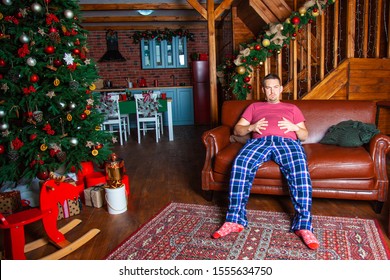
pixel 197 6
pixel 225 5
pixel 104 27
pixel 106 19
pixel 116 7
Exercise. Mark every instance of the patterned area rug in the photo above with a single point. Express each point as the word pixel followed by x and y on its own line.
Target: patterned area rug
pixel 183 232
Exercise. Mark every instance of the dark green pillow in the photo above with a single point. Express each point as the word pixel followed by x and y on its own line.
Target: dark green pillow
pixel 349 134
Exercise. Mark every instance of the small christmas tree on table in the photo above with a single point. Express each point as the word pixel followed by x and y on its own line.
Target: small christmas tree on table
pixel 48 115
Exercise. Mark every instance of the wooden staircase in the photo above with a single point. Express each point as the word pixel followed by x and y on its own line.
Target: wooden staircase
pixel 335 57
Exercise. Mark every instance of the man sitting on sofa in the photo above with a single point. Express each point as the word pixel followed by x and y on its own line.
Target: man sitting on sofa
pixel 277 129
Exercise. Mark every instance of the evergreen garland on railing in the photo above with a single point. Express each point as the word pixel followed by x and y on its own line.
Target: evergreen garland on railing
pixel 236 71
pixel 161 35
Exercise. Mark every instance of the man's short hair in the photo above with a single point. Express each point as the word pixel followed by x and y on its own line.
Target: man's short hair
pixel 270 77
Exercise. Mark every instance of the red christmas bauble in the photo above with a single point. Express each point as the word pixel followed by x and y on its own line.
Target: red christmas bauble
pixel 247 79
pixel 1 76
pixel 43 175
pixel 295 20
pixel 2 63
pixel 2 149
pixel 49 49
pixel 83 116
pixel 52 30
pixel 57 62
pixel 34 78
pixel 99 146
pixel 76 51
pixel 32 137
pixel 257 47
pixel 29 114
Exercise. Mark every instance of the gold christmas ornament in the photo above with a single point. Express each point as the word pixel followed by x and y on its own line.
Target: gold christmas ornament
pixel 240 70
pixel 302 11
pixel 56 82
pixel 97 128
pixel 266 42
pixel 69 117
pixel 315 13
pixel 43 147
pixel 87 112
pixel 95 152
pixel 92 87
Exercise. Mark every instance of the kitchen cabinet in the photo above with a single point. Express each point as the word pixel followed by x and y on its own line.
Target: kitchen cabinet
pixel 182 105
pixel 157 54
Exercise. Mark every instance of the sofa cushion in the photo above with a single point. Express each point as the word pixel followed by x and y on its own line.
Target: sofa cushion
pixel 331 162
pixel 324 161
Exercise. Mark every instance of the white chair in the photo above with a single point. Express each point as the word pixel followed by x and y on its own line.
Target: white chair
pixel 125 117
pixel 146 120
pixel 155 95
pixel 113 118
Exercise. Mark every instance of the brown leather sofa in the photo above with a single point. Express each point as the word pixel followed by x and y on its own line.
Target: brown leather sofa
pixel 357 173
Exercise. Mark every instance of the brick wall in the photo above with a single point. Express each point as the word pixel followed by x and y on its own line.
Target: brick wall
pixel 117 72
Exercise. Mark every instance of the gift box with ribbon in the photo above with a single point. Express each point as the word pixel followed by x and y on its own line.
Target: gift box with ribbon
pixel 94 196
pixel 10 202
pixel 70 207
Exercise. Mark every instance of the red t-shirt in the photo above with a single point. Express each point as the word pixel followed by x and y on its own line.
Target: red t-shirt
pixel 273 113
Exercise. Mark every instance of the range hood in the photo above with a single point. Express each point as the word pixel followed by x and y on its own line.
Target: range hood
pixel 112 53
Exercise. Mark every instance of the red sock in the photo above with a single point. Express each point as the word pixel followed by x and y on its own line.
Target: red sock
pixel 308 238
pixel 227 228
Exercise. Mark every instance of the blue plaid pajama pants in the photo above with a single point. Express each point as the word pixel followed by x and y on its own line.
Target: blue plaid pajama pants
pixel 290 156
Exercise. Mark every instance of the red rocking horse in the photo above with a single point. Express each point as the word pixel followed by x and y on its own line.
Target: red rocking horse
pixel 52 192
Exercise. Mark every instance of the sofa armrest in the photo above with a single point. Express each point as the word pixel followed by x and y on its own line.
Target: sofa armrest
pixel 378 147
pixel 214 140
pixel 218 137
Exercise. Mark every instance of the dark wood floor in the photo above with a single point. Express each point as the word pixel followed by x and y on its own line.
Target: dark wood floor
pixel 166 172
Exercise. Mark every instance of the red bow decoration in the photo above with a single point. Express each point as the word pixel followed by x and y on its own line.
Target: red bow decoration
pixel 12 19
pixel 29 90
pixel 50 18
pixel 17 143
pixel 23 51
pixel 48 129
pixel 72 67
pixel 33 162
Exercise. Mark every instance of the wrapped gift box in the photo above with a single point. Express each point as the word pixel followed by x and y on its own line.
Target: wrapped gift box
pixel 70 207
pixel 94 196
pixel 10 202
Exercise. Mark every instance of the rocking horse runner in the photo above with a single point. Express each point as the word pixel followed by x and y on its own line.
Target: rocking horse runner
pixel 52 192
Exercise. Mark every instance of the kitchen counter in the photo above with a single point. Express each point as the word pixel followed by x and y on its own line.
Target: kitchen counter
pixel 138 88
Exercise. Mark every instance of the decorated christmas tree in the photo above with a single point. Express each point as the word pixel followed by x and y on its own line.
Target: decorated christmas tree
pixel 48 114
